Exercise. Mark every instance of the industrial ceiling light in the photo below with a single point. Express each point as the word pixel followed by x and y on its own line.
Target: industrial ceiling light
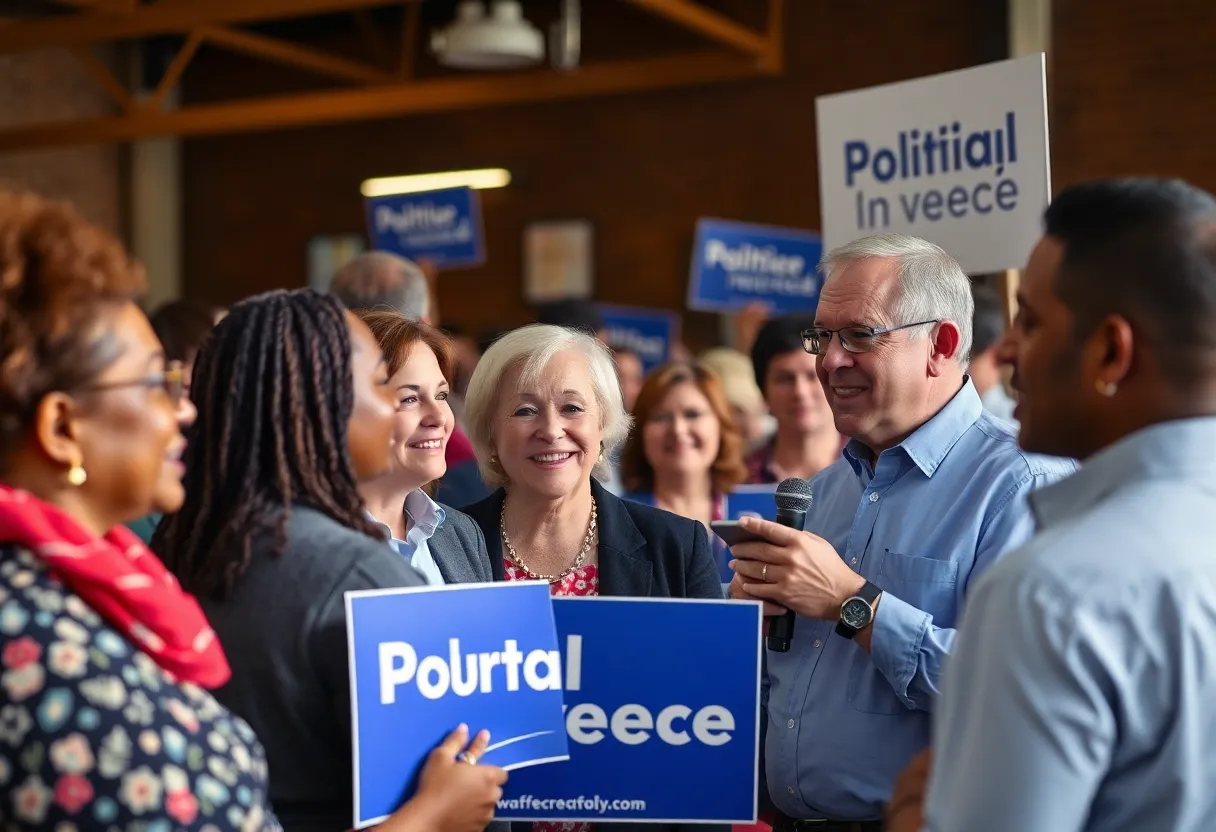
pixel 476 179
pixel 502 40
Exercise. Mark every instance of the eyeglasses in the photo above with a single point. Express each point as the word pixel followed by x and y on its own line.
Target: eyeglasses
pixel 852 338
pixel 171 380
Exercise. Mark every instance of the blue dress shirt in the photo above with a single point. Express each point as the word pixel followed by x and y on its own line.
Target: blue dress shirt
pixel 1082 692
pixel 425 517
pixel 933 513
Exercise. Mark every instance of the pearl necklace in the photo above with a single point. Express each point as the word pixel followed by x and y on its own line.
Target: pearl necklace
pixel 578 561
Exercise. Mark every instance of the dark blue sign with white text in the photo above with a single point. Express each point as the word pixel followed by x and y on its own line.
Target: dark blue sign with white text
pixel 745 500
pixel 734 264
pixel 659 732
pixel 753 500
pixel 441 226
pixel 647 332
pixel 424 660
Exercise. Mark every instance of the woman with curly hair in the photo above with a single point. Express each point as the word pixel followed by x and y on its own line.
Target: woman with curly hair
pixel 107 661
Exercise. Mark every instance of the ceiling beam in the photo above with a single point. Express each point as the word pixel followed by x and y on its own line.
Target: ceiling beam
pixel 774 55
pixel 707 22
pixel 161 18
pixel 176 68
pixel 104 78
pixel 397 99
pixel 292 54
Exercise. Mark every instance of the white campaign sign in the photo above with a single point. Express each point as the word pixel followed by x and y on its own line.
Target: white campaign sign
pixel 960 159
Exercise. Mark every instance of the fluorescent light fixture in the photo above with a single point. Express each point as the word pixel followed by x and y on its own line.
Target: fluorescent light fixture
pixel 477 179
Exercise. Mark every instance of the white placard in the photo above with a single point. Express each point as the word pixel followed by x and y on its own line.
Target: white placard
pixel 960 159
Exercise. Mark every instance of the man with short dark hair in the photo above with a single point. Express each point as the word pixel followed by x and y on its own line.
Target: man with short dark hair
pixel 806 440
pixel 987 330
pixel 1080 692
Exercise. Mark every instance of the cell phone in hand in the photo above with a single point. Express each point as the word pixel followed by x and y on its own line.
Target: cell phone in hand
pixel 732 533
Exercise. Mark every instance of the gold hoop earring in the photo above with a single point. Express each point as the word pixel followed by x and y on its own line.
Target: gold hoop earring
pixel 1106 388
pixel 76 474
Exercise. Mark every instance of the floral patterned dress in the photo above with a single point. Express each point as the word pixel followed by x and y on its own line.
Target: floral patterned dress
pixel 94 735
pixel 580 582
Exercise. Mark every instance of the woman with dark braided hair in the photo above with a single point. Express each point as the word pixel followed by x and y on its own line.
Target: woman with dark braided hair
pixel 294 412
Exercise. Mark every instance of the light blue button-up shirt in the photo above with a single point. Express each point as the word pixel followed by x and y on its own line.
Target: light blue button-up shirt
pixel 1082 693
pixel 425 517
pixel 931 515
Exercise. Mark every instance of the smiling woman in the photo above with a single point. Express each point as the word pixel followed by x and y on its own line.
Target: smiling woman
pixel 444 545
pixel 544 411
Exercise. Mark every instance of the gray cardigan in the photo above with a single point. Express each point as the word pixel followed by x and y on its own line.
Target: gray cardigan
pixel 284 631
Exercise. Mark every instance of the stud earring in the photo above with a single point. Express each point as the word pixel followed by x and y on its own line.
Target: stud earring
pixel 76 474
pixel 1106 388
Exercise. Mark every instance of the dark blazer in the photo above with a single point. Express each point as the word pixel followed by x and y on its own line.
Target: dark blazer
pixel 643 552
pixel 459 549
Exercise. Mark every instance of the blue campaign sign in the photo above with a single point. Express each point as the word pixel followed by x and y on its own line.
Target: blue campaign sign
pixel 423 660
pixel 659 732
pixel 735 263
pixel 648 332
pixel 441 226
pixel 754 500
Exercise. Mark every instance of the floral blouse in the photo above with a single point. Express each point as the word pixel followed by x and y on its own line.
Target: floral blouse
pixel 94 735
pixel 583 583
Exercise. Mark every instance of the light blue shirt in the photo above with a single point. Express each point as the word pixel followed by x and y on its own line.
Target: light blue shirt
pixel 1082 692
pixel 936 511
pixel 425 516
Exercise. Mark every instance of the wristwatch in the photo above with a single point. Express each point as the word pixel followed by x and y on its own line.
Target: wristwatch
pixel 857 612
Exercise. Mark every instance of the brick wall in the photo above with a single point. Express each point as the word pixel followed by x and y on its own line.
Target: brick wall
pixel 41 86
pixel 1131 87
pixel 641 167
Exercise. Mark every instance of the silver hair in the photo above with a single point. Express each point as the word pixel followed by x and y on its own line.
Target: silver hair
pixel 932 285
pixel 530 349
pixel 382 280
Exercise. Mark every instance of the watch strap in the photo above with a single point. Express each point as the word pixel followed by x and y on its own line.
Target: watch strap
pixel 869 593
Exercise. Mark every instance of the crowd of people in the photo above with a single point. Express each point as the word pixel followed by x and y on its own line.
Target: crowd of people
pixel 1003 615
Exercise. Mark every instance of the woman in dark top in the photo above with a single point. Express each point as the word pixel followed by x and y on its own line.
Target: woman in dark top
pixel 105 720
pixel 294 411
pixel 545 413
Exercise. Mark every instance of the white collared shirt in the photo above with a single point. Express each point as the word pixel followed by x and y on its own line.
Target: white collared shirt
pixel 423 518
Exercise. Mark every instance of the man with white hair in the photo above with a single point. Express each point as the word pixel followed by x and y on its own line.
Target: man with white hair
pixel 383 280
pixel 930 491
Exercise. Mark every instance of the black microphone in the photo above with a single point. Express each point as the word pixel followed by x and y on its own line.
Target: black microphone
pixel 793 499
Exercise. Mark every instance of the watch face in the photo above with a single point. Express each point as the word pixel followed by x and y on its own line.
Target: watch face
pixel 856 613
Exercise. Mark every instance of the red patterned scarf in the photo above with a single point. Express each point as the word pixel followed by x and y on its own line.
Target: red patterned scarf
pixel 123 582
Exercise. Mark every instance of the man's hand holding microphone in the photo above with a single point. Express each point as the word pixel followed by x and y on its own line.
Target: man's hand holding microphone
pixel 792 571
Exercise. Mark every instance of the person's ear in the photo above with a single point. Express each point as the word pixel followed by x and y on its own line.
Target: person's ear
pixel 1109 353
pixel 57 434
pixel 945 341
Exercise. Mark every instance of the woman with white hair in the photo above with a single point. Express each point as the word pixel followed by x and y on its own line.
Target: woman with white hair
pixel 544 412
